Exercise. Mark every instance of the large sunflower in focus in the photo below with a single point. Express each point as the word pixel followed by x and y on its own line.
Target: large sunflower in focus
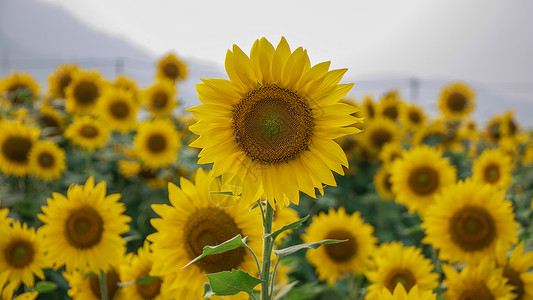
pixel 60 80
pixel 16 142
pixel 515 269
pixel 87 133
pixel 118 110
pixel 84 91
pixel 82 230
pixel 419 175
pixel 333 261
pixel 273 123
pixel 192 221
pixel 157 143
pixel 456 101
pixel 19 88
pixel 467 222
pixel 493 167
pixel 47 160
pixel 160 98
pixel 171 67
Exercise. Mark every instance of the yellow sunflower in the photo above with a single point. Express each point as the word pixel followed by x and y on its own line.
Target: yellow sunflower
pixel 16 142
pixel 391 108
pixel 84 91
pixel 60 80
pixel 160 98
pixel 358 114
pixel 382 181
pixel 469 131
pixel 87 287
pixel 21 255
pixel 171 67
pixel 368 108
pixel 395 264
pixel 515 269
pixel 378 133
pixel 527 159
pixel 128 168
pixel 19 88
pixel 273 123
pixel 193 221
pixel 157 143
pixel 419 175
pixel 399 293
pixel 125 83
pixel 390 152
pixel 8 295
pixel 468 220
pixel 493 167
pixel 413 117
pixel 482 281
pixel 333 261
pixel 51 121
pixel 509 125
pixel 83 229
pixel 88 133
pixel 434 135
pixel 118 110
pixel 47 160
pixel 456 101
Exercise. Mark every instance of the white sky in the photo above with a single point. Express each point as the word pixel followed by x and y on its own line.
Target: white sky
pixel 480 40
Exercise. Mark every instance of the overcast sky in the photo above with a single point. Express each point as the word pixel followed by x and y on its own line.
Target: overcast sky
pixel 478 40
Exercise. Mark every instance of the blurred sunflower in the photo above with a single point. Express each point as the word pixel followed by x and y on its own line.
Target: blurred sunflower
pixel 86 286
pixel 494 130
pixel 125 83
pixel 433 135
pixel 413 117
pixel 60 80
pixel 193 221
pixel 368 108
pixel 333 261
pixel 493 167
pixel 390 107
pixel 468 220
pixel 399 293
pixel 157 143
pixel 160 98
pixel 51 121
pixel 128 168
pixel 390 152
pixel 273 123
pixel 47 160
pixel 456 101
pixel 83 229
pixel 118 110
pixel 84 91
pixel 509 125
pixel 419 175
pixel 382 181
pixel 16 142
pixel 481 282
pixel 398 265
pixel 88 133
pixel 378 133
pixel 171 67
pixel 19 88
pixel 515 269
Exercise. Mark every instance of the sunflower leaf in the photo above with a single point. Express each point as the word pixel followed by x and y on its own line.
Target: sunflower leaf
pixel 146 279
pixel 232 282
pixel 235 242
pixel 45 286
pixel 290 250
pixel 290 226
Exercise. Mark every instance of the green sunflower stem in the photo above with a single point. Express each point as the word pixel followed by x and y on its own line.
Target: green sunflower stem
pixel 103 286
pixel 267 249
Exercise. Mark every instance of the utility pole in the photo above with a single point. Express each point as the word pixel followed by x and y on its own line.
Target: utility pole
pixel 414 88
pixel 119 66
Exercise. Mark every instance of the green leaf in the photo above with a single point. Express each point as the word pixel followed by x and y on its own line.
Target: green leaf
pixel 146 279
pixel 88 275
pixel 45 286
pixel 235 242
pixel 232 282
pixel 290 250
pixel 290 226
pixel 286 289
pixel 223 193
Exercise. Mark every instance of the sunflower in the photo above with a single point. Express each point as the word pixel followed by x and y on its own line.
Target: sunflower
pixel 192 221
pixel 160 98
pixel 515 269
pixel 83 229
pixel 382 181
pixel 157 143
pixel 481 282
pixel 273 123
pixel 47 160
pixel 51 121
pixel 88 133
pixel 391 107
pixel 395 264
pixel 118 110
pixel 127 84
pixel 493 167
pixel 469 131
pixel 86 286
pixel 128 168
pixel 84 91
pixel 358 114
pixel 378 133
pixel 413 116
pixel 19 88
pixel 16 142
pixel 171 67
pixel 419 175
pixel 24 296
pixel 434 135
pixel 399 293
pixel 21 255
pixel 456 101
pixel 390 152
pixel 468 220
pixel 333 261
pixel 60 80
pixel 368 108
pixel 509 125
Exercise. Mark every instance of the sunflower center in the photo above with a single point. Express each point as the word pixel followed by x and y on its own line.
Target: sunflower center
pixel 424 180
pixel 84 228
pixel 149 290
pixel 86 92
pixel 391 112
pixel 344 251
pixel 119 109
pixel 19 253
pixel 16 149
pixel 88 131
pixel 476 291
pixel 157 143
pixel 380 137
pixel 414 117
pixel 64 81
pixel 513 279
pixel 400 276
pixel 273 124
pixel 210 227
pixel 457 102
pixel 159 100
pixel 147 174
pixel 171 70
pixel 472 228
pixel 491 174
pixel 46 160
pixel 512 127
pixel 111 282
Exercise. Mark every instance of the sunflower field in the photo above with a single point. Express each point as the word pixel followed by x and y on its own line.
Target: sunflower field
pixel 278 186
